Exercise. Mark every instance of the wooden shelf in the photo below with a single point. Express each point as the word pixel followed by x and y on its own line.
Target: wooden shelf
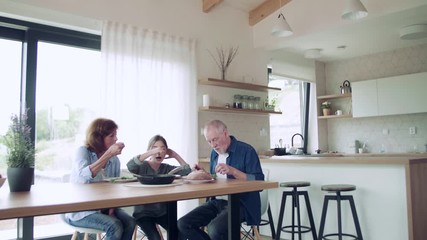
pixel 237 110
pixel 239 85
pixel 335 116
pixel 334 96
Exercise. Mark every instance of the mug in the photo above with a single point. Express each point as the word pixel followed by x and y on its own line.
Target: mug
pixel 338 112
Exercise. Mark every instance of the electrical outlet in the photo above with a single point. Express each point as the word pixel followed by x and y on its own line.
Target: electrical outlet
pixel 385 131
pixel 412 130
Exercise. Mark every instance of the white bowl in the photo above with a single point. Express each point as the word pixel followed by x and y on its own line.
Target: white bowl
pixel 2 180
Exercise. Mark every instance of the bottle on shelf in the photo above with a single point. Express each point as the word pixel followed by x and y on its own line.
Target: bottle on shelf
pixel 245 101
pixel 237 101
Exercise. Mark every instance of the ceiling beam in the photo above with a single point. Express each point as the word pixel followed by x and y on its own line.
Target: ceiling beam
pixel 265 9
pixel 209 4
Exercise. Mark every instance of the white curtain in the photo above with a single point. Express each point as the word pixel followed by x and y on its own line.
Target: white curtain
pixel 150 88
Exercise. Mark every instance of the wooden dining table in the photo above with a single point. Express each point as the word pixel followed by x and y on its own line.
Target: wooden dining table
pixel 56 198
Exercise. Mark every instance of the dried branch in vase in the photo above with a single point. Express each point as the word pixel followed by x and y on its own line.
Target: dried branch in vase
pixel 224 58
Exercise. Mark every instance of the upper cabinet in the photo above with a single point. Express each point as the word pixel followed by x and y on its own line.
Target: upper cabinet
pixel 403 94
pixel 365 98
pixel 241 86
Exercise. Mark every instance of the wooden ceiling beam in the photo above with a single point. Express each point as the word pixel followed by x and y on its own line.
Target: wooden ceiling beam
pixel 265 9
pixel 209 4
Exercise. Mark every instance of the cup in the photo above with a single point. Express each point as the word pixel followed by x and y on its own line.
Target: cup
pixel 338 112
pixel 360 150
pixel 206 100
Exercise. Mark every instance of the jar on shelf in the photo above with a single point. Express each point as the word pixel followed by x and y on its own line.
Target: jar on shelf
pixel 251 102
pixel 257 103
pixel 237 101
pixel 245 101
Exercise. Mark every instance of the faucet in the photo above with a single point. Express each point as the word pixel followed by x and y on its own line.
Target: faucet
pixel 292 139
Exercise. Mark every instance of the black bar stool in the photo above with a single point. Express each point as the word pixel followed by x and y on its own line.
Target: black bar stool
pixel 337 189
pixel 295 194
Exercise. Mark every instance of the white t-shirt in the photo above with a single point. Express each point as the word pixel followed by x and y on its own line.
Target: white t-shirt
pixel 222 158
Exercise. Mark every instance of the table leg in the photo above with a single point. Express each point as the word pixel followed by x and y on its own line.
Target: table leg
pixel 172 218
pixel 25 228
pixel 233 217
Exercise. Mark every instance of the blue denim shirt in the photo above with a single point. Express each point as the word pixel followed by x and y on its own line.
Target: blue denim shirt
pixel 243 156
pixel 81 173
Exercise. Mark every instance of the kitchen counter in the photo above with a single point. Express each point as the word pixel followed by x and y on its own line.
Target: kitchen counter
pixel 390 195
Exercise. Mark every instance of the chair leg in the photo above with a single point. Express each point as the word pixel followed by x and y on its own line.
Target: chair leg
pixel 160 231
pixel 270 220
pixel 310 215
pixel 75 235
pixel 281 214
pixel 323 218
pixel 256 233
pixel 355 218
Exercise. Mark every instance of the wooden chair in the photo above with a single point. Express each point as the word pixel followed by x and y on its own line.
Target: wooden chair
pixel 253 232
pixel 85 231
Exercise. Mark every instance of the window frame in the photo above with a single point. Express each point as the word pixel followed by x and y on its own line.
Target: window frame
pixel 30 34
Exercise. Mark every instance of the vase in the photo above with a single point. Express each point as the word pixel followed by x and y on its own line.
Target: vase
pixel 326 111
pixel 20 179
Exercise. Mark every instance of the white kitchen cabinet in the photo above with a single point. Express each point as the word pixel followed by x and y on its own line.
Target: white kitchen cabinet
pixel 403 94
pixel 365 100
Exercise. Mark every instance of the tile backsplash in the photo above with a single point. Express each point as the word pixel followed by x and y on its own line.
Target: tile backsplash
pixel 381 134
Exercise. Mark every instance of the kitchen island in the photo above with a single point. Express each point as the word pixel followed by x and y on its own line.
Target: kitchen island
pixel 390 196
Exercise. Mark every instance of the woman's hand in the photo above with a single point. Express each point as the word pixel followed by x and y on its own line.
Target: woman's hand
pixel 116 148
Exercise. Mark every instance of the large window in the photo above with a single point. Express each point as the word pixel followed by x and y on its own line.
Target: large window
pixel 66 100
pixel 55 72
pixel 291 102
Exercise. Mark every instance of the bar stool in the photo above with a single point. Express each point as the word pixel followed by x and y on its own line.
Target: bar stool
pixel 337 189
pixel 295 194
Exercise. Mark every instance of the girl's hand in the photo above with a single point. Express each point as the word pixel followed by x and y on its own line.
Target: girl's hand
pixel 170 153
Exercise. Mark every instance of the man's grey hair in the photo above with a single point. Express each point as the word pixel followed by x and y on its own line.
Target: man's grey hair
pixel 218 124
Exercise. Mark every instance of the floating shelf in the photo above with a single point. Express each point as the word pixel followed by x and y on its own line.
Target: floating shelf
pixel 335 116
pixel 237 110
pixel 239 85
pixel 334 96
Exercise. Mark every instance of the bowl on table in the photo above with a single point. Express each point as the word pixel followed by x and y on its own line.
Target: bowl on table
pixel 156 179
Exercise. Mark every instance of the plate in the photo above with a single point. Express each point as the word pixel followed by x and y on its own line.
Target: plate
pixel 199 181
pixel 175 183
pixel 120 180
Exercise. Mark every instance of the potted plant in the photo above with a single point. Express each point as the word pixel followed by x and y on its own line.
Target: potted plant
pixel 20 154
pixel 326 108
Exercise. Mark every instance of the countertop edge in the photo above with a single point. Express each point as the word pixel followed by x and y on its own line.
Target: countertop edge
pixel 351 159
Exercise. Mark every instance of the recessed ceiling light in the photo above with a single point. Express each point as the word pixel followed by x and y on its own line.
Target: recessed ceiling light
pixel 412 32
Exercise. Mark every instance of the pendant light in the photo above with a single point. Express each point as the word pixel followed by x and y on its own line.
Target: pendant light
pixel 354 10
pixel 281 28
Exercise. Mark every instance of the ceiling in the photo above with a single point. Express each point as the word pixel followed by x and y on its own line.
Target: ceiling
pixel 379 32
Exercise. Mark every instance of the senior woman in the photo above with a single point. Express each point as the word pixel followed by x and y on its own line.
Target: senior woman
pixel 94 161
